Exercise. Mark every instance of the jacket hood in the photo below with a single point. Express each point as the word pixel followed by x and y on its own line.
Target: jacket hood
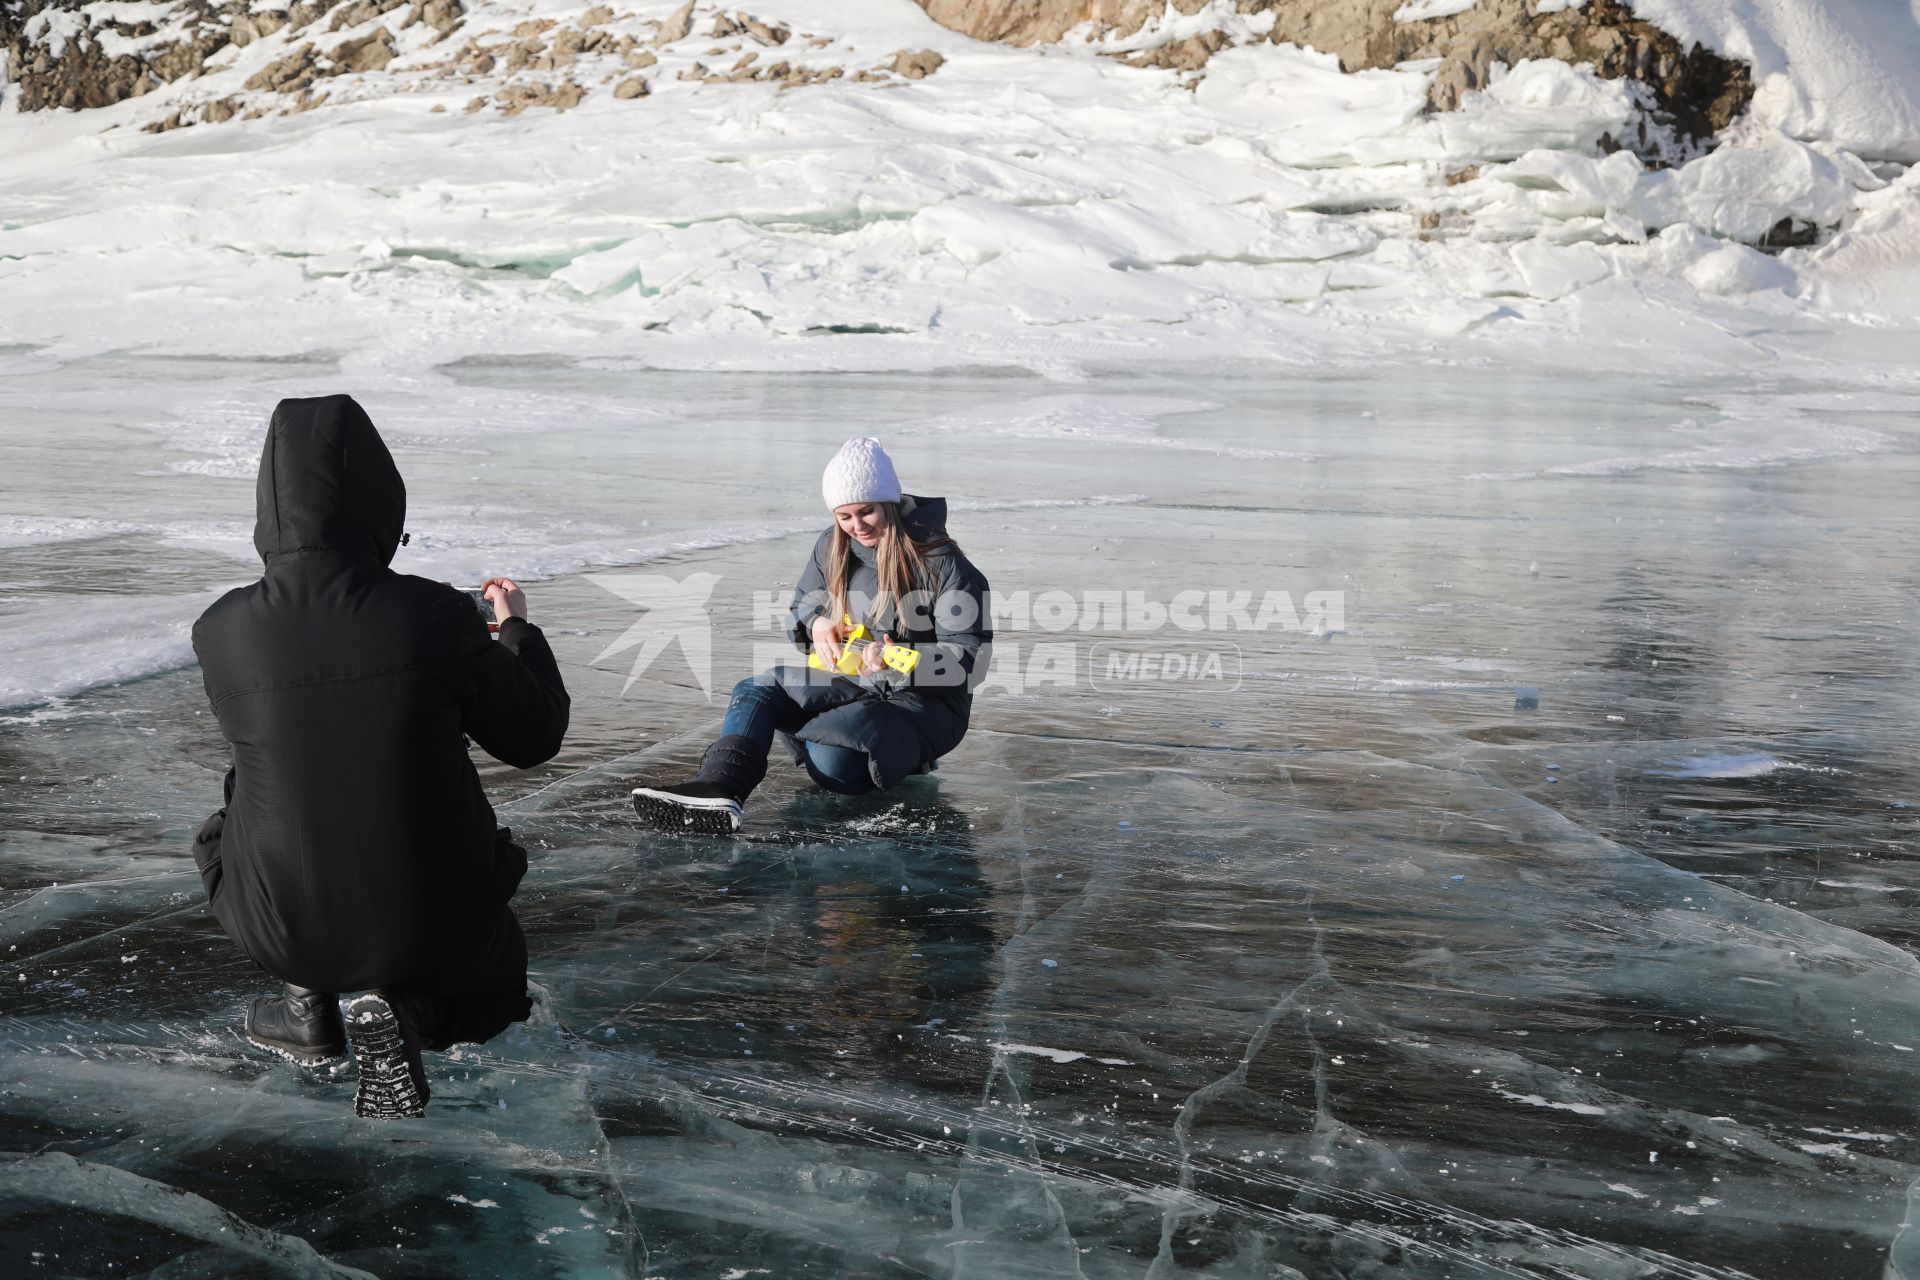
pixel 924 517
pixel 327 483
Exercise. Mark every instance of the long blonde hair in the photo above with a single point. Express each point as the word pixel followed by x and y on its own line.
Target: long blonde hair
pixel 900 561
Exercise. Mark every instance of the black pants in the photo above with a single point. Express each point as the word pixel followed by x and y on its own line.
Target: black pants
pixel 438 1020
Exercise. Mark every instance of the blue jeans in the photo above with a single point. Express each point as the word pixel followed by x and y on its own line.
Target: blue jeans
pixel 760 708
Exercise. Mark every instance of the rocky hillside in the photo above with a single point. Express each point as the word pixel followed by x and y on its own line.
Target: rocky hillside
pixel 1244 175
pixel 66 54
pixel 1692 94
pixel 80 54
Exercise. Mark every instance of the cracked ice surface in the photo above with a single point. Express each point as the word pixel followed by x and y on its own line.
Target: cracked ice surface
pixel 1354 968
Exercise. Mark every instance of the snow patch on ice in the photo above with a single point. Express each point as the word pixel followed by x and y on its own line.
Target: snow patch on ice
pixel 30 531
pixel 82 642
pixel 1094 419
pixel 1824 1148
pixel 1853 1135
pixel 54 709
pixel 1042 1051
pixel 1756 764
pixel 1535 1100
pixel 1463 664
pixel 1865 886
pixel 457 1198
pixel 1774 447
pixel 1038 1051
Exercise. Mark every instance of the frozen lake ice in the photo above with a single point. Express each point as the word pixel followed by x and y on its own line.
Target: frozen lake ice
pixel 1551 915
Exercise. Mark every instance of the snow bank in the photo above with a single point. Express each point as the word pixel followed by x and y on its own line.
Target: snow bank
pixel 1870 273
pixel 81 643
pixel 1009 205
pixel 1845 72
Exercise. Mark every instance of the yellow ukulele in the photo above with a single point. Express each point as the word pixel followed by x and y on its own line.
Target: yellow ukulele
pixel 900 657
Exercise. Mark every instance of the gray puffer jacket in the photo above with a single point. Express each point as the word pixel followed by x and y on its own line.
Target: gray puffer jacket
pixel 903 723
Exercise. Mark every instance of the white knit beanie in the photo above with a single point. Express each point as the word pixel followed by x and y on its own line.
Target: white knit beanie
pixel 860 472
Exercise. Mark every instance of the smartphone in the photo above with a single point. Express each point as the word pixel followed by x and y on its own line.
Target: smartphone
pixel 484 605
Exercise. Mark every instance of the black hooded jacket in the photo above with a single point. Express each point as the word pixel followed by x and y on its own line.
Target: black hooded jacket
pixel 358 849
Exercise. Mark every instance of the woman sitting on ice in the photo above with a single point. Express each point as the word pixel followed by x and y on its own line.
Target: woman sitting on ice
pixel 861 716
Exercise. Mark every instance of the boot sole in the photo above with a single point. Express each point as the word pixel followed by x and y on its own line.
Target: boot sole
pixel 387 1088
pixel 309 1059
pixel 665 811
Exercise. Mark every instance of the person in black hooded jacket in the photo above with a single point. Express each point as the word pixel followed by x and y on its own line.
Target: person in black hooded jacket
pixel 356 850
pixel 887 563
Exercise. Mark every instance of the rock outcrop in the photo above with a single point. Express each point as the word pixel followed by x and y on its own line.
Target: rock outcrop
pixel 1692 91
pixel 50 68
pixel 58 55
pixel 73 54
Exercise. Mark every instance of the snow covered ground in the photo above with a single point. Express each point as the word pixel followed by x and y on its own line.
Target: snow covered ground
pixel 1000 210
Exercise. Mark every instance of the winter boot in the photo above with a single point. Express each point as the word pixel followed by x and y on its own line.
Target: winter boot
pixel 711 803
pixel 301 1026
pixel 393 1080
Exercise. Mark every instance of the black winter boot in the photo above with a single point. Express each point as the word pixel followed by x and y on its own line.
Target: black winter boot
pixel 712 802
pixel 705 808
pixel 393 1080
pixel 301 1026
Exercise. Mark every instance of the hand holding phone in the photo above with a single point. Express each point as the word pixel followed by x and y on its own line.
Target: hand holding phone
pixel 488 613
pixel 507 599
pixel 497 599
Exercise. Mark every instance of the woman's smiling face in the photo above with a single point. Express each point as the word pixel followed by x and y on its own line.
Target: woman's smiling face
pixel 862 521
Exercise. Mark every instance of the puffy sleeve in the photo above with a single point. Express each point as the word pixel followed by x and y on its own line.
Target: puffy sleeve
pixel 962 626
pixel 810 598
pixel 516 706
